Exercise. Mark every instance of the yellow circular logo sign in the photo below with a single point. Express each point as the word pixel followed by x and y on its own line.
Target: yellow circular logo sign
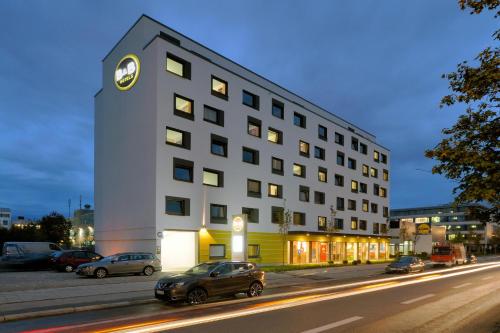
pixel 127 72
pixel 423 229
pixel 238 224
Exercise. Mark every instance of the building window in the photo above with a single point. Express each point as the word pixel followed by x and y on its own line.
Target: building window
pixel 303 193
pixel 383 192
pixel 385 175
pixel 366 205
pixel 254 127
pixel 277 214
pixel 351 163
pixel 299 218
pixel 219 87
pixel 213 115
pixel 319 153
pixel 183 107
pixel 213 178
pixel 218 145
pixel 177 206
pixel 354 186
pixel 178 138
pixel 376 156
pixel 250 100
pixel 383 228
pixel 218 214
pixel 363 149
pixel 274 136
pixel 299 170
pixel 253 188
pixel 319 198
pixel 383 158
pixel 365 170
pixel 183 170
pixel 322 133
pixel 376 189
pixel 252 214
pixel 374 208
pixel 299 120
pixel 250 155
pixel 339 139
pixel 278 109
pixel 322 175
pixel 374 172
pixel 376 228
pixel 303 148
pixel 340 158
pixel 351 204
pixel 253 251
pixel 362 225
pixel 322 223
pixel 339 224
pixel 217 251
pixel 340 203
pixel 363 188
pixel 354 143
pixel 385 212
pixel 339 180
pixel 274 190
pixel 277 166
pixel 178 66
pixel 354 223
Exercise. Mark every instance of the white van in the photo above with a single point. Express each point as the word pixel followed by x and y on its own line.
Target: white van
pixel 28 253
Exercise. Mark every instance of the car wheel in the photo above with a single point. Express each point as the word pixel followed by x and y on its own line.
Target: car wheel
pixel 255 289
pixel 148 270
pixel 68 268
pixel 197 296
pixel 100 273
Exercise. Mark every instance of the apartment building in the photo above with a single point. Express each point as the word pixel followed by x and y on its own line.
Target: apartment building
pixel 198 158
pixel 5 218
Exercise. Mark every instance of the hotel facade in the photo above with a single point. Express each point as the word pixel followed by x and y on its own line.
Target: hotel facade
pixel 197 158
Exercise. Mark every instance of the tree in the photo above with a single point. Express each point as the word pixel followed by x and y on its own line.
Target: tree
pixel 284 224
pixel 56 228
pixel 469 153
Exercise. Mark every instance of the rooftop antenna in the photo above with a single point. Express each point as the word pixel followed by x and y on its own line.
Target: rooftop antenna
pixel 69 208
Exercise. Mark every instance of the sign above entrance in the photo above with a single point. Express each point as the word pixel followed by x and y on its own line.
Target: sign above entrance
pixel 127 72
pixel 423 229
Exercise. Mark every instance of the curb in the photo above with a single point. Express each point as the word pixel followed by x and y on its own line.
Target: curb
pixel 71 309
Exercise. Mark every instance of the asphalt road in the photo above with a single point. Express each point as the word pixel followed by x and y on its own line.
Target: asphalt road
pixel 461 299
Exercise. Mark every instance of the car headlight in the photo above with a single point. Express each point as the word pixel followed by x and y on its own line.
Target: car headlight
pixel 179 284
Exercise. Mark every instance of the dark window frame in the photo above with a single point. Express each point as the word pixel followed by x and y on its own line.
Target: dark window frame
pixel 277 171
pixel 306 190
pixel 186 66
pixel 217 257
pixel 280 135
pixel 220 177
pixel 254 152
pixel 216 93
pixel 305 154
pixel 276 209
pixel 325 136
pixel 185 206
pixel 219 115
pixel 319 197
pixel 248 215
pixel 255 100
pixel 321 154
pixel 339 138
pixel 302 123
pixel 280 191
pixel 220 140
pixel 302 169
pixel 218 220
pixel 186 164
pixel 325 171
pixel 256 122
pixel 302 219
pixel 254 194
pixel 181 113
pixel 279 105
pixel 186 138
pixel 342 156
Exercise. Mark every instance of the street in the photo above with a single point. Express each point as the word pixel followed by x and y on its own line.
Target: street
pixel 450 299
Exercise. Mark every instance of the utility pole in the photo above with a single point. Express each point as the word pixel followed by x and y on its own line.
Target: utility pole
pixel 80 202
pixel 69 208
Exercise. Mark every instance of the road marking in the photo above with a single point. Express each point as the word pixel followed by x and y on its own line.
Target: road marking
pixel 333 325
pixel 417 299
pixel 487 278
pixel 462 285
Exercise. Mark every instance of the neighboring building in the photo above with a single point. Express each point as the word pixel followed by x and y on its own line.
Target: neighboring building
pixel 82 227
pixel 21 222
pixel 417 229
pixel 185 139
pixel 5 218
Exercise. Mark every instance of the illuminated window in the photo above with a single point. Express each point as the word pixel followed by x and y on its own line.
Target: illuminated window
pixel 213 177
pixel 219 87
pixel 421 220
pixel 351 204
pixel 339 180
pixel 253 251
pixel 374 172
pixel 383 192
pixel 177 206
pixel 354 186
pixel 322 223
pixel 299 120
pixel 218 214
pixel 178 66
pixel 339 139
pixel 274 136
pixel 213 115
pixel 340 158
pixel 253 188
pixel 365 170
pixel 218 145
pixel 365 207
pixel 376 156
pixel 217 251
pixel 277 165
pixel 354 144
pixel 436 219
pixel 354 223
pixel 183 170
pixel 250 155
pixel 303 148
pixel 274 190
pixel 178 138
pixel 319 153
pixel 250 100
pixel 303 193
pixel 252 214
pixel 319 198
pixel 299 170
pixel 299 218
pixel 340 203
pixel 322 133
pixel 322 175
pixel 351 163
pixel 254 127
pixel 385 175
pixel 183 107
pixel 278 109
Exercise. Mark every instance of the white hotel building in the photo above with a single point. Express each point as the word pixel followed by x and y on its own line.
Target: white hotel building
pixel 185 139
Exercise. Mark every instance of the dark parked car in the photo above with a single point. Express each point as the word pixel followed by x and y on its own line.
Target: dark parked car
pixel 69 260
pixel 406 264
pixel 211 279
pixel 28 254
pixel 121 263
pixel 471 259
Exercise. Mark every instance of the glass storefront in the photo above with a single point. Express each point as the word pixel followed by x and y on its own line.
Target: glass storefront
pixel 300 252
pixel 363 251
pixel 373 251
pixel 382 251
pixel 351 251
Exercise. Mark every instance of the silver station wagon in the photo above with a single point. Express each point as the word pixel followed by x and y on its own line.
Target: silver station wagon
pixel 121 263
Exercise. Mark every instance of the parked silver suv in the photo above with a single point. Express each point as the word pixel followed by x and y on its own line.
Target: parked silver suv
pixel 121 263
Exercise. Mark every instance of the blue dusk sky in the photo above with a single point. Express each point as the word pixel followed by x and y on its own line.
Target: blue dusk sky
pixel 377 64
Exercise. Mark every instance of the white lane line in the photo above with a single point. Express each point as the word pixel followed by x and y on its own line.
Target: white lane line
pixel 487 278
pixel 417 299
pixel 333 325
pixel 462 285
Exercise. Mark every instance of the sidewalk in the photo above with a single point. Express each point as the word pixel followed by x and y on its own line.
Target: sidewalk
pixel 22 301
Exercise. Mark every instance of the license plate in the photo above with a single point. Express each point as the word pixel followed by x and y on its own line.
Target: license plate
pixel 160 292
